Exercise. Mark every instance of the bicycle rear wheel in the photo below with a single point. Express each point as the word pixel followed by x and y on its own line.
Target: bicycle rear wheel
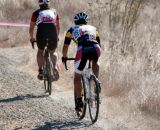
pixel 47 75
pixel 82 113
pixel 93 102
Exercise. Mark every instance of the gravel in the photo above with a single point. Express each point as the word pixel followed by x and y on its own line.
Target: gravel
pixel 23 103
pixel 25 106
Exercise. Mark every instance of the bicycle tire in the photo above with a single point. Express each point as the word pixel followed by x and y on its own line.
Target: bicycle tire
pixel 82 114
pixel 47 76
pixel 93 102
pixel 52 72
pixel 45 73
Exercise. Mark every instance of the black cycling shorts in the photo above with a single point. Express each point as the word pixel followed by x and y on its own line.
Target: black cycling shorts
pixel 91 51
pixel 88 55
pixel 47 32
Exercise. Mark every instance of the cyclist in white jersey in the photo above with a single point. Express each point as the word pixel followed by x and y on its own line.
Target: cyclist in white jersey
pixel 47 21
pixel 88 47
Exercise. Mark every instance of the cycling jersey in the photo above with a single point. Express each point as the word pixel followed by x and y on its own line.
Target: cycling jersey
pixel 81 33
pixel 46 21
pixel 45 16
pixel 87 39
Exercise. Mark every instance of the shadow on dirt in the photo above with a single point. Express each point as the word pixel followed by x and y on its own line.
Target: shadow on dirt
pixel 22 97
pixel 59 125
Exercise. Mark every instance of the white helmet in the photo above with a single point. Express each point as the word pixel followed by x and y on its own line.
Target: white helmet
pixel 42 2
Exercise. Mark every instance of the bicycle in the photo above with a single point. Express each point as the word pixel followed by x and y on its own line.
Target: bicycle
pixel 90 94
pixel 48 69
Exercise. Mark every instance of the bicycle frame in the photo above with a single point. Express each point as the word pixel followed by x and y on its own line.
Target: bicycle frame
pixel 91 94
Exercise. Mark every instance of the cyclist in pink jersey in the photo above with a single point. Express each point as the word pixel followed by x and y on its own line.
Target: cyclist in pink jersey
pixel 88 47
pixel 47 21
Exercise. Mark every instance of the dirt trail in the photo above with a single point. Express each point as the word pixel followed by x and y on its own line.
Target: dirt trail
pixel 23 104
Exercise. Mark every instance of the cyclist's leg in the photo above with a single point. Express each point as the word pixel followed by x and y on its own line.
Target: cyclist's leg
pixel 52 41
pixel 95 68
pixel 52 44
pixel 77 74
pixel 80 62
pixel 53 55
pixel 40 60
pixel 77 85
pixel 40 63
pixel 96 55
pixel 78 91
pixel 95 65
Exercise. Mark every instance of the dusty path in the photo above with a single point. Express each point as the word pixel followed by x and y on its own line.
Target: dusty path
pixel 24 106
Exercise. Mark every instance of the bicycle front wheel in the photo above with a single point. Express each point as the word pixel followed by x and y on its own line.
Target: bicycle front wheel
pixel 93 102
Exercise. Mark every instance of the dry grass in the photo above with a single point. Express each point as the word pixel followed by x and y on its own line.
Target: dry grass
pixel 12 36
pixel 129 30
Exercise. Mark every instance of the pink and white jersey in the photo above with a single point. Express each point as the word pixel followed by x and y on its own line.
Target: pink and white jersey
pixel 44 16
pixel 84 30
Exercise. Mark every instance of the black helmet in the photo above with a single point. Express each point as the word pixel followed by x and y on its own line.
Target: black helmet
pixel 81 18
pixel 43 2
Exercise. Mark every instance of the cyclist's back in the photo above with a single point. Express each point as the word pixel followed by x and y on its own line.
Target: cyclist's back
pixel 47 21
pixel 82 33
pixel 88 42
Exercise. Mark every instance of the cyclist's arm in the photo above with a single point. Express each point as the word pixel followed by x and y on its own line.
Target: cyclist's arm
pixel 32 26
pixel 31 29
pixel 67 42
pixel 58 24
pixel 98 38
pixel 65 50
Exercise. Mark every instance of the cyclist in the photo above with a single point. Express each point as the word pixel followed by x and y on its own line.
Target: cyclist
pixel 47 21
pixel 88 42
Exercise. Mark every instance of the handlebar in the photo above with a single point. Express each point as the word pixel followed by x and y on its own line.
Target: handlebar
pixel 65 63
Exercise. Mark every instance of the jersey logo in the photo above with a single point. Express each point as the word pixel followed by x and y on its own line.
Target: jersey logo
pixel 46 16
pixel 76 33
pixel 87 32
